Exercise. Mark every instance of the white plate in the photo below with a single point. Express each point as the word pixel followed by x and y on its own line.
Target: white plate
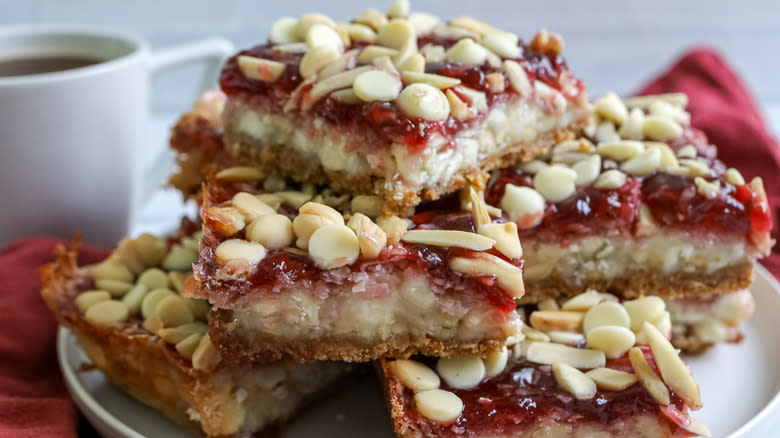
pixel 740 387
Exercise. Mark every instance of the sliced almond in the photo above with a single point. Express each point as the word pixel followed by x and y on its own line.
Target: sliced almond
pixel 523 205
pixel 555 183
pixel 260 69
pixel 506 237
pixel 206 357
pixel 372 18
pixel 611 107
pixel 632 127
pixel 439 405
pixel 496 362
pixel 135 297
pixel 293 199
pixel 383 63
pixel 606 133
pixel 174 311
pixel 371 237
pixel 695 167
pixel 668 158
pixel 394 227
pixel 548 304
pixel 187 346
pixel 151 300
pixel 153 278
pixel 608 379
pixel 87 299
pixel 643 310
pixel 239 250
pixel 620 150
pixel 644 163
pixel 461 372
pixel 282 30
pixel 534 335
pixel 109 313
pixel 240 173
pixel 706 188
pixel 566 338
pixel 412 63
pixel 459 109
pixel 647 377
pixel 518 77
pixel 496 81
pixel 673 370
pixel 613 340
pixel 250 206
pixel 424 101
pixel 431 79
pixel 549 354
pixel 610 180
pixel 478 210
pixel 696 427
pixel 676 99
pixel 316 58
pixel 450 238
pixel 414 375
pixel 508 276
pixel 476 99
pixel 586 300
pixel 587 170
pixel 174 335
pixel 503 44
pixel 323 210
pixel 302 26
pixel 574 381
pixel 333 246
pixel 606 313
pixel 333 83
pixel 273 231
pixel 377 85
pixel 226 221
pixel 557 320
pixel 423 22
pixel 467 52
pixel 661 128
pixel 646 224
pixel 396 34
pixel 734 177
pixel 369 53
pixel 291 47
pixel 687 151
pixel 358 32
pixel 433 53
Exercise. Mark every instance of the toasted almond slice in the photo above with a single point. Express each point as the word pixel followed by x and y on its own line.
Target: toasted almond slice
pixel 608 379
pixel 240 173
pixel 506 237
pixel 333 246
pixel 459 109
pixel 555 183
pixel 478 210
pixel 586 300
pixel 377 85
pixel 260 69
pixel 135 297
pixel 461 372
pixel 282 30
pixel 110 312
pixel 114 287
pixel 557 320
pixel 611 107
pixel 372 18
pixel 518 77
pixel 566 338
pixel 414 375
pixel 496 362
pixel 424 101
pixel 226 221
pixel 439 405
pixel 187 346
pixel 674 371
pixel 606 313
pixel 87 299
pixel 496 81
pixel 431 79
pixel 239 250
pixel 174 311
pixel 644 309
pixel 574 381
pixel 273 231
pixel 383 63
pixel 549 354
pixel 509 276
pixel 174 335
pixel 451 238
pixel 250 206
pixel 647 377
pixel 613 340
pixel 206 357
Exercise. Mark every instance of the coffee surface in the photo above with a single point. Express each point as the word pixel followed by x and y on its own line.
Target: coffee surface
pixel 44 64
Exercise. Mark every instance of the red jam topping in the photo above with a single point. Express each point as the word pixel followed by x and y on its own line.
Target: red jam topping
pixel 386 121
pixel 526 394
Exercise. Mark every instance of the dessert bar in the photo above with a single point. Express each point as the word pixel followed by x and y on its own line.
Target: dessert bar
pixel 593 368
pixel 403 105
pixel 135 327
pixel 290 276
pixel 642 205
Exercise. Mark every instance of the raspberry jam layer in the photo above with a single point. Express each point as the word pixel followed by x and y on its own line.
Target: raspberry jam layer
pixel 385 118
pixel 673 201
pixel 526 394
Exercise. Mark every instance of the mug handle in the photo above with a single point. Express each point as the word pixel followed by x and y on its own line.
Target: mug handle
pixel 212 51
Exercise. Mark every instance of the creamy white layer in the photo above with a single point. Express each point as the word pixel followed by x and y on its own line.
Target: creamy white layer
pixel 412 309
pixel 606 257
pixel 507 124
pixel 711 318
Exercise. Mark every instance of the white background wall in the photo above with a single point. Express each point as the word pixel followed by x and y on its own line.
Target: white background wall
pixel 611 44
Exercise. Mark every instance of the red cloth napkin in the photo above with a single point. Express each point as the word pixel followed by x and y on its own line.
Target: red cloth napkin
pixel 33 399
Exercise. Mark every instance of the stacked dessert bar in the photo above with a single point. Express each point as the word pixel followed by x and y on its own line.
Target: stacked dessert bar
pixel 365 188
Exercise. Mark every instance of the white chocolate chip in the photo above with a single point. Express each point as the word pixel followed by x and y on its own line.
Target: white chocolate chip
pixel 632 127
pixel 399 8
pixel 377 85
pixel 505 235
pixel 574 381
pixel 151 249
pixel 206 357
pixel 424 101
pixel 87 299
pixel 647 377
pixel 645 309
pixel 587 170
pixel 323 210
pixel 613 340
pixel 503 44
pixel 372 18
pixel 174 311
pixel 394 227
pixel 521 203
pixel 431 79
pixel 433 53
pixel 250 206
pixel 572 339
pixel 467 52
pixel 112 269
pixel 661 128
pixel 180 258
pixel 609 379
pixel 711 330
pixel 333 83
pixel 301 29
pixel 586 300
pixel 734 177
pixel 239 250
pixel 371 237
pixel 151 300
pixel 508 276
pixel 644 163
pixel 333 246
pixel 555 183
pixel 316 59
pixel 533 167
pixel 548 354
pixel 461 372
pixel 423 22
pixel 153 278
pixel 620 150
pixel 273 231
pixel 673 370
pixel 687 151
pixel 412 63
pixel 496 362
pixel 396 34
pixel 414 375
pixel 439 405
pixel 610 179
pixel 358 32
pixel 110 312
pixel 260 69
pixel 612 108
pixel 707 189
pixel 449 238
pixel 606 313
pixel 282 30
pixel 114 287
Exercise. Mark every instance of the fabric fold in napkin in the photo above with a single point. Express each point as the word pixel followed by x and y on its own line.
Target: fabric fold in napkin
pixel 33 398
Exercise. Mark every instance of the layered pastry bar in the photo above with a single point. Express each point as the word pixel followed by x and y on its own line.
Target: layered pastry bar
pixel 640 206
pixel 595 367
pixel 400 105
pixel 291 277
pixel 136 328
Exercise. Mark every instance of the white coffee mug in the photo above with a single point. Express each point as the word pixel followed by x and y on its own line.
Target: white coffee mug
pixel 70 140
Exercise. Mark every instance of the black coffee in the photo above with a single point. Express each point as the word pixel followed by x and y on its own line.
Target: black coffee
pixel 44 64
